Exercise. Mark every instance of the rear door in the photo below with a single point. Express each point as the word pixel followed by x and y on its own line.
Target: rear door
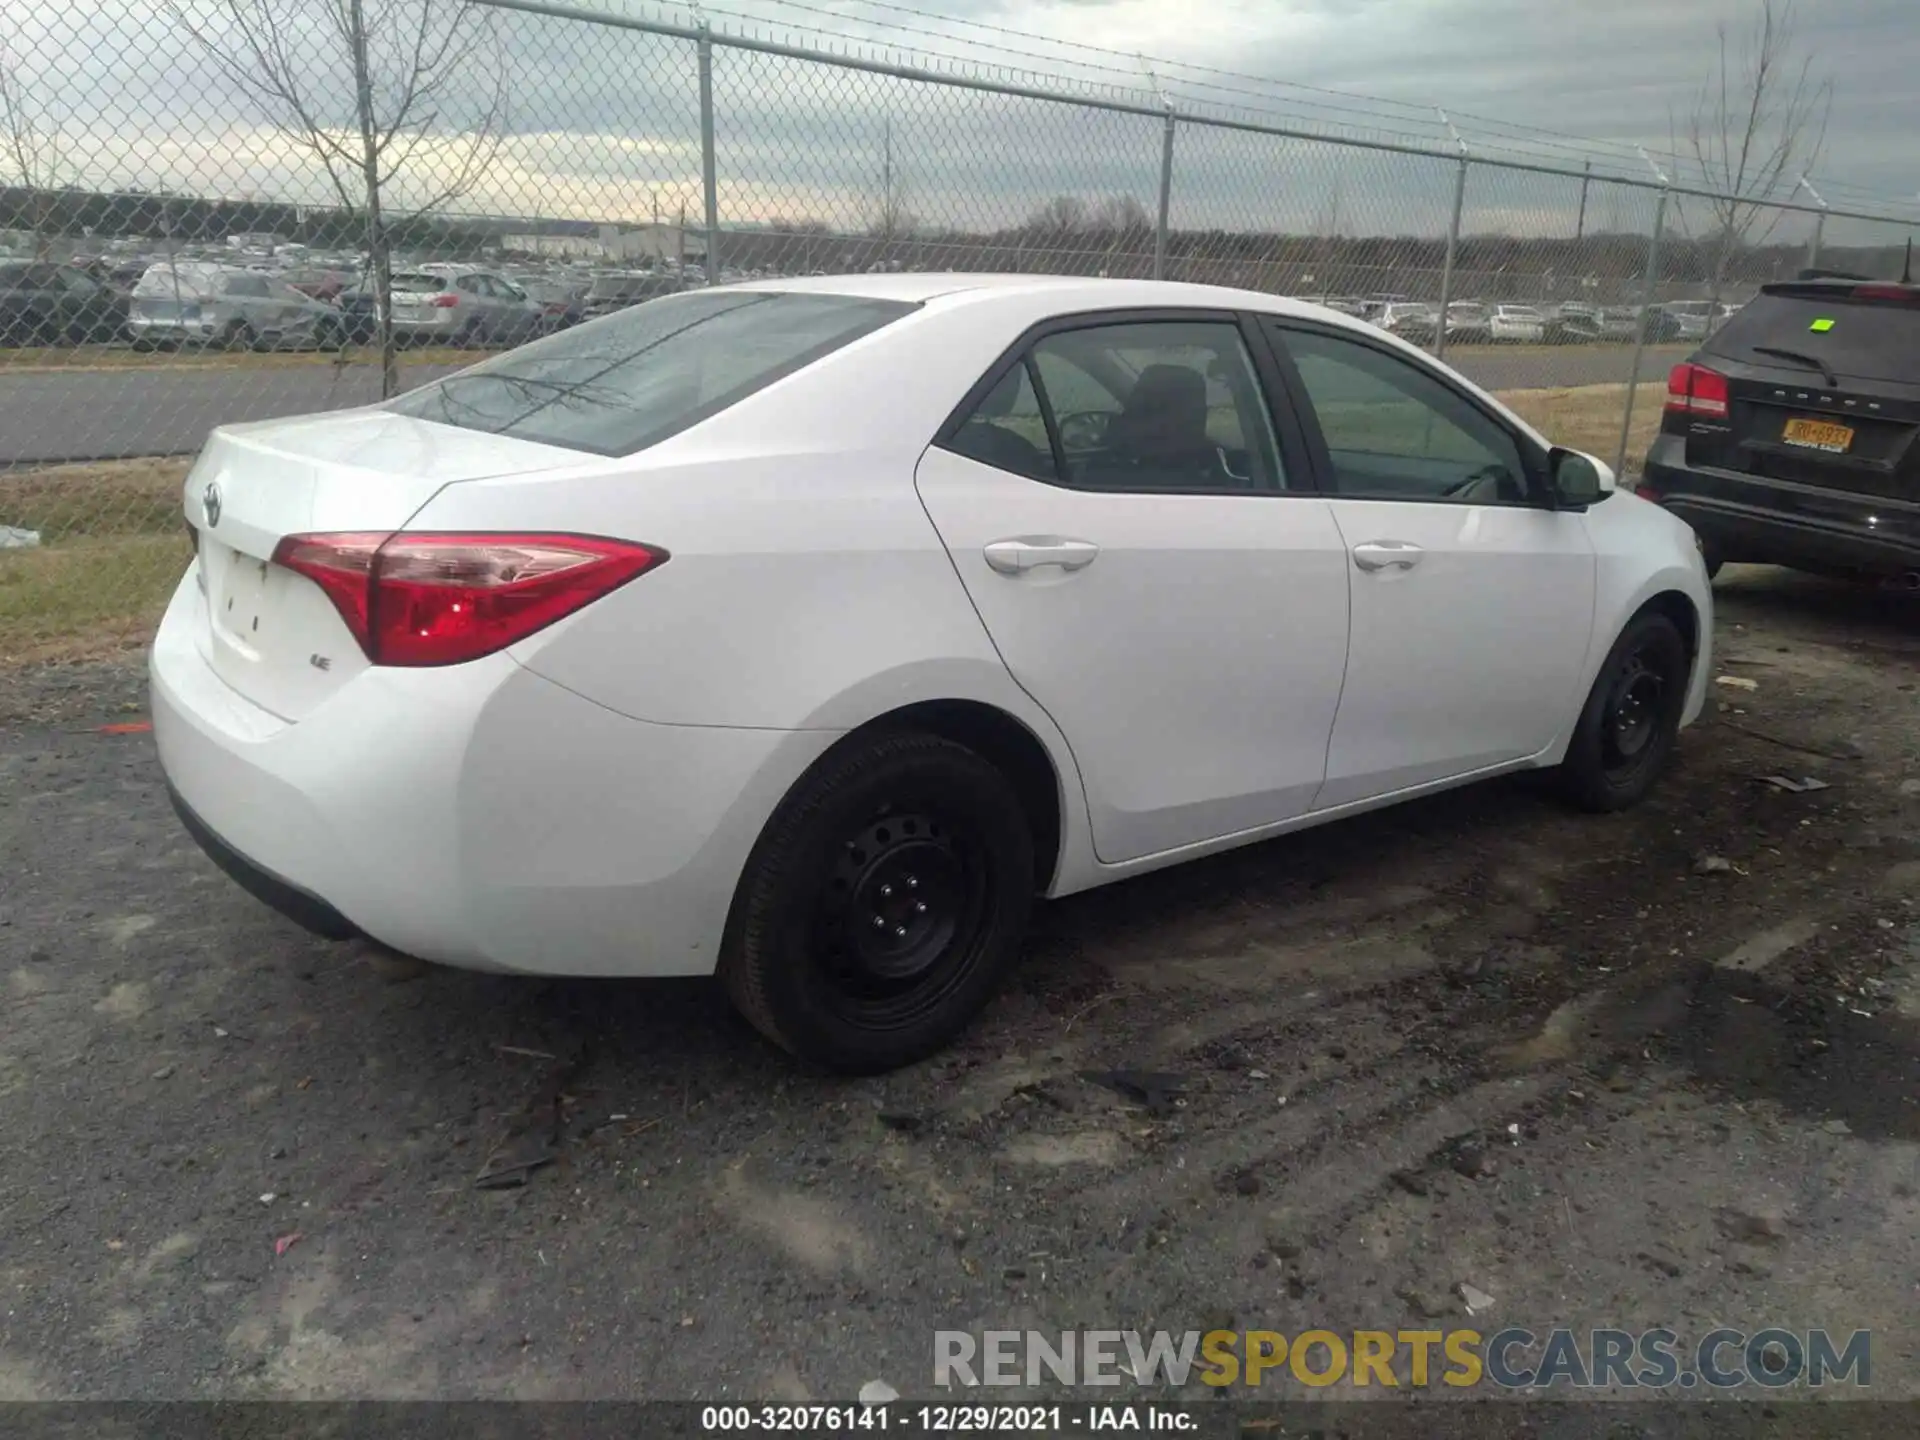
pixel 1472 603
pixel 1154 570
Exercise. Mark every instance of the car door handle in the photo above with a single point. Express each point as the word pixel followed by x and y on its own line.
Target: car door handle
pixel 1387 555
pixel 1016 557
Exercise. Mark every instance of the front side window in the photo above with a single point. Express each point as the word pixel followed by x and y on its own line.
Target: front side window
pixel 642 374
pixel 1394 432
pixel 250 287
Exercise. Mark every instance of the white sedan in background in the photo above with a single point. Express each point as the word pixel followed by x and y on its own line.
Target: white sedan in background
pixel 1517 324
pixel 805 631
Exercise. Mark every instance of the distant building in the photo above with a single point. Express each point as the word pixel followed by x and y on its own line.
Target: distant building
pixel 613 244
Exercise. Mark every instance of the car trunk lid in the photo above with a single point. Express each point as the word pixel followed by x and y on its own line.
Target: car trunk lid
pixel 271 634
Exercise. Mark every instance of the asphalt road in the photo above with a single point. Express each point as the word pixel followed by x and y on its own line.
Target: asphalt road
pixel 96 414
pixel 1654 1068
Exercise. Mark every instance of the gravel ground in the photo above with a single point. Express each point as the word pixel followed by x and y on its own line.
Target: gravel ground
pixel 1657 1068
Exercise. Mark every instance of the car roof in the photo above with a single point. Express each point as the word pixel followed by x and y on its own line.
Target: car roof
pixel 1062 293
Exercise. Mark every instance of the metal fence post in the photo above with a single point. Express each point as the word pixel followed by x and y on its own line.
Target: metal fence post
pixel 708 183
pixel 1166 199
pixel 1647 284
pixel 1446 268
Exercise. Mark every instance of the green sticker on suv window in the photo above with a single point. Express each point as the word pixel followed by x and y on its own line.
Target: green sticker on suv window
pixel 1821 325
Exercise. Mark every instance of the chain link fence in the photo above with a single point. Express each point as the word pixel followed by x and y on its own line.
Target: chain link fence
pixel 223 210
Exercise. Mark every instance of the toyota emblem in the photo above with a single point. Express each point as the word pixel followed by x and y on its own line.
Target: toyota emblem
pixel 210 502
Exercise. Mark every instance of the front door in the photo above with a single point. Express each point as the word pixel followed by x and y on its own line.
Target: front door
pixel 1135 543
pixel 1472 602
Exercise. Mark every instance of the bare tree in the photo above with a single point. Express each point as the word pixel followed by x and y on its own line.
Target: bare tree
pixel 1124 214
pixel 1059 216
pixel 1759 120
pixel 402 102
pixel 892 216
pixel 30 147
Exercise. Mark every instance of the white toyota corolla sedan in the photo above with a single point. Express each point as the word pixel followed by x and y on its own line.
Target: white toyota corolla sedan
pixel 805 631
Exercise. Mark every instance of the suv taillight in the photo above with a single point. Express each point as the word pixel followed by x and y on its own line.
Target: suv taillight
pixel 443 599
pixel 444 302
pixel 1695 390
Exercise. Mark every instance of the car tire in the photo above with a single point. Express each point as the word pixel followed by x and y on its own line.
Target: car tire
pixel 1626 730
pixel 882 904
pixel 238 336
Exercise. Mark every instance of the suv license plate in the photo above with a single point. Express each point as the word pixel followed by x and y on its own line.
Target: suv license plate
pixel 1818 435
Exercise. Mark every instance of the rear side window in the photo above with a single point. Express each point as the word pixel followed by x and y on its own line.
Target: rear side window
pixel 638 376
pixel 1008 431
pixel 1870 339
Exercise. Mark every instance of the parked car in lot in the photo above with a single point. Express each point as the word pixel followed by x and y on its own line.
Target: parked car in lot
pixel 197 303
pixel 320 283
pixel 460 305
pixel 609 293
pixel 1691 318
pixel 46 304
pixel 560 305
pixel 1572 323
pixel 1467 323
pixel 1516 324
pixel 1027 584
pixel 1412 321
pixel 1792 436
pixel 1661 325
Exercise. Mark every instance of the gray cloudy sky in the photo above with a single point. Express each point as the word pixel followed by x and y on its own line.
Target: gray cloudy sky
pixel 604 123
pixel 1605 70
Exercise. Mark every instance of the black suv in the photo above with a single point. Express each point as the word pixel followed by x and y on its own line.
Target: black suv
pixel 1792 436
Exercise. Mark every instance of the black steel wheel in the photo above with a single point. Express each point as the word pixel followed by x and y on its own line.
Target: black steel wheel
pixel 882 903
pixel 1627 728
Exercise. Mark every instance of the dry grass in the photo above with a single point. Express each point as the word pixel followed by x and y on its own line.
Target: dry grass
pixel 1588 418
pixel 108 497
pixel 90 597
pixel 113 545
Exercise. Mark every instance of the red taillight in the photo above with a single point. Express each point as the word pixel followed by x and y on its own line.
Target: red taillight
pixel 1647 492
pixel 444 302
pixel 1695 390
pixel 439 599
pixel 1905 293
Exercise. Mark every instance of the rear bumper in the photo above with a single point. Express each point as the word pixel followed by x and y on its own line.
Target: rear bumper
pixel 309 912
pixel 441 322
pixel 168 327
pixel 1776 522
pixel 477 815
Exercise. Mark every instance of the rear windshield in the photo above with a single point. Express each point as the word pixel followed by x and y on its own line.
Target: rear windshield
pixel 636 377
pixel 1871 339
pixel 189 279
pixel 415 280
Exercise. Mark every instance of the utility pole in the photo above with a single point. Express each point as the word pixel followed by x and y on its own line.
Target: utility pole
pixel 1586 179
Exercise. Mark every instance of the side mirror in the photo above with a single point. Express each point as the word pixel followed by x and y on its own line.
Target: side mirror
pixel 1578 480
